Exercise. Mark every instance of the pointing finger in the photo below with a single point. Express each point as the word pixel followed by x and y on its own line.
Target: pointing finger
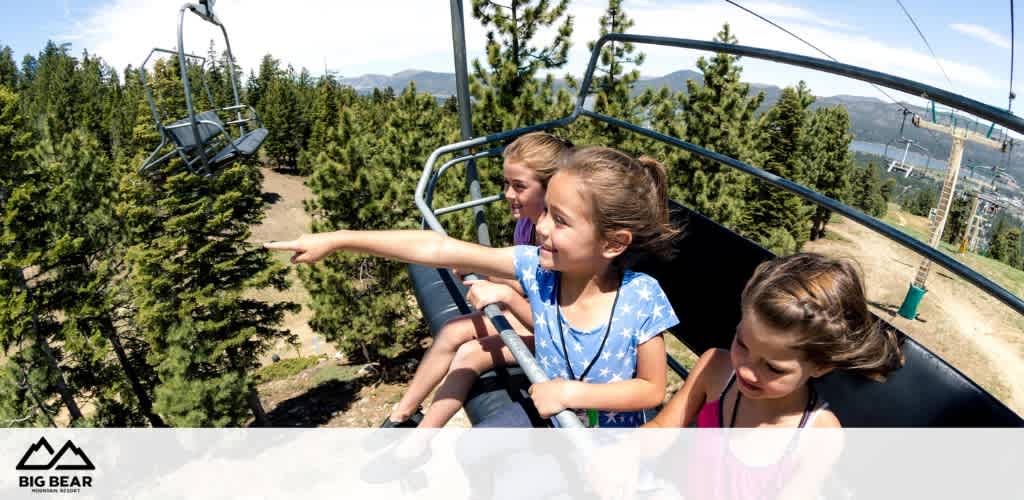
pixel 282 245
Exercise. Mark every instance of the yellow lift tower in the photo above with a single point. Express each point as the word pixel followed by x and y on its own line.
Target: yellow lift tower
pixel 938 222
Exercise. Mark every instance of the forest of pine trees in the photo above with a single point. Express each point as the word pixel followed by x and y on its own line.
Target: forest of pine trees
pixel 127 298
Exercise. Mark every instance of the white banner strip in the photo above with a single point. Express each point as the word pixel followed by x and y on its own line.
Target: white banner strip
pixel 509 463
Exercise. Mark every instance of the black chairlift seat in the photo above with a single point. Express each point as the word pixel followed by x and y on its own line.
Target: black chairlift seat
pixel 212 135
pixel 704 282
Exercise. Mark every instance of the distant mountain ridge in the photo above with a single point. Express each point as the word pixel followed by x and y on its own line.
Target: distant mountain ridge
pixel 871 119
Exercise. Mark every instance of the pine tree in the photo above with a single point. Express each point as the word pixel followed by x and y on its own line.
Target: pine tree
pixel 329 99
pixel 8 69
pixel 281 117
pixel 1005 243
pixel 771 208
pixel 830 163
pixel 612 84
pixel 866 193
pixel 26 376
pixel 259 84
pixel 192 271
pixel 956 222
pixel 506 92
pixel 364 179
pixel 719 116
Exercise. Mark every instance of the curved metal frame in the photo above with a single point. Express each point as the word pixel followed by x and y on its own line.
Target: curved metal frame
pixel 985 111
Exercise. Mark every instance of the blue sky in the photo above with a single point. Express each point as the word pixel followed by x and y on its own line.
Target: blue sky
pixel 387 36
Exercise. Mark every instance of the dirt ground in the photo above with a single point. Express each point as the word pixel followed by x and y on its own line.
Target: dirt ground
pixel 977 334
pixel 330 394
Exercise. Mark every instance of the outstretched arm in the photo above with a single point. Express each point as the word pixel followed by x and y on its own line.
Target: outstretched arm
pixel 429 248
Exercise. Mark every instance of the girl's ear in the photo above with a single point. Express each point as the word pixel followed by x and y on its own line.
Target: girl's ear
pixel 616 242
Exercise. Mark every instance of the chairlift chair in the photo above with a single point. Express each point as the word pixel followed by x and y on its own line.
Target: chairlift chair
pixel 927 391
pixel 202 140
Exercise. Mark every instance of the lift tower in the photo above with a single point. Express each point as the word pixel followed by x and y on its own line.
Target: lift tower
pixel 959 135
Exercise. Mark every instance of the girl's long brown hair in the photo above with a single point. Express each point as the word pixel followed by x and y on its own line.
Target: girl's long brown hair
pixel 822 301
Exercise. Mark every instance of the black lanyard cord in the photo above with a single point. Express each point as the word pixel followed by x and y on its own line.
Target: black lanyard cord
pixel 608 329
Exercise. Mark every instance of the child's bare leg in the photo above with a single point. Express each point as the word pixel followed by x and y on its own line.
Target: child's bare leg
pixel 438 359
pixel 472 359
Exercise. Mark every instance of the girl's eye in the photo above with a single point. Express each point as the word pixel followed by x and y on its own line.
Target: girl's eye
pixel 775 370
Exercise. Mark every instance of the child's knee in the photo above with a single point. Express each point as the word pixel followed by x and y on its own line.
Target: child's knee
pixel 471 356
pixel 455 333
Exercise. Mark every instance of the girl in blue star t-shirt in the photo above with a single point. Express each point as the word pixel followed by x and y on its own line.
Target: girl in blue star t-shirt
pixel 601 354
pixel 597 324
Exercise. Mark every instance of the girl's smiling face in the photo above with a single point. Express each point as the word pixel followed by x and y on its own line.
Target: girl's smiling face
pixel 566 233
pixel 767 366
pixel 524 192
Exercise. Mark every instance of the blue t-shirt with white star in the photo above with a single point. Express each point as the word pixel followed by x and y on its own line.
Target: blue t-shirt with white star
pixel 641 312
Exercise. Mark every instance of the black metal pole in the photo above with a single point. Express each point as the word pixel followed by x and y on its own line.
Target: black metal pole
pixel 465 118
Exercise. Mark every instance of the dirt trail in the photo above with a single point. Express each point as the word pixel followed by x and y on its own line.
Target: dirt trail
pixel 974 333
pixel 286 219
pixel 1001 352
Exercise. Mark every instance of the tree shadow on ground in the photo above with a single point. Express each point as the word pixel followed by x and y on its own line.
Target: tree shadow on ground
pixel 270 198
pixel 893 309
pixel 316 406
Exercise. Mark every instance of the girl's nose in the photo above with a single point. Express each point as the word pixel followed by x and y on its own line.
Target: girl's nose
pixel 509 192
pixel 746 373
pixel 543 227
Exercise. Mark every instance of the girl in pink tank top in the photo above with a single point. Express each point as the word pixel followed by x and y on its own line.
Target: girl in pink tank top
pixel 802 316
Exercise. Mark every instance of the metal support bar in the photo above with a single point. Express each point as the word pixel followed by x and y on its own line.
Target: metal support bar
pixel 875 225
pixel 465 117
pixel 977 108
pixel 469 204
pixel 677 367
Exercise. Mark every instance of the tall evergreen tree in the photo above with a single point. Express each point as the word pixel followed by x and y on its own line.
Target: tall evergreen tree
pixel 192 270
pixel 506 92
pixel 771 209
pixel 364 179
pixel 282 117
pixel 866 193
pixel 1005 243
pixel 613 82
pixel 719 116
pixel 956 222
pixel 830 163
pixel 8 69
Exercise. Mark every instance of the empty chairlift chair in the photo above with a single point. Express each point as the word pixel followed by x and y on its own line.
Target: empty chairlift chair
pixel 203 141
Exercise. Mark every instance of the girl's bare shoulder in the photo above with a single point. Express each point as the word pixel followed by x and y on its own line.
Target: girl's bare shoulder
pixel 712 371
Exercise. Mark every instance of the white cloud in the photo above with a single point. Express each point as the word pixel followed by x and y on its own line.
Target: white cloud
pixel 387 36
pixel 982 33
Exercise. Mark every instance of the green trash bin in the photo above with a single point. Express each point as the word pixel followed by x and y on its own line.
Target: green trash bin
pixel 911 301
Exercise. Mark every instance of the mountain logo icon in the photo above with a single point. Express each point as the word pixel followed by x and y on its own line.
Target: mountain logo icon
pixel 40 456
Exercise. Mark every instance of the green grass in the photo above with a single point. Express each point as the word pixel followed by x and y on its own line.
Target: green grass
pixel 285 368
pixel 335 372
pixel 834 236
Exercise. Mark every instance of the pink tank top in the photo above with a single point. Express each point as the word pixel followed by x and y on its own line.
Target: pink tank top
pixel 715 473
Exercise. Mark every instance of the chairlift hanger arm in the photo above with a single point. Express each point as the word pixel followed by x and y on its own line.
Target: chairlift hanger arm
pixel 961 132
